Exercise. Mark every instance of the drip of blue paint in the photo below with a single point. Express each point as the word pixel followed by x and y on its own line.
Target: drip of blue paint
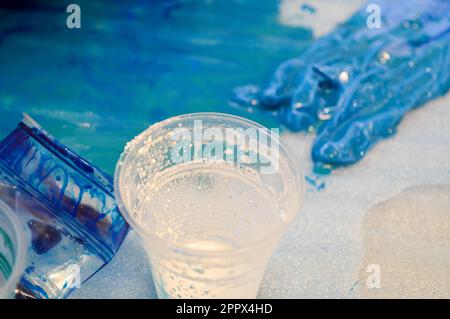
pixel 354 85
pixel 315 182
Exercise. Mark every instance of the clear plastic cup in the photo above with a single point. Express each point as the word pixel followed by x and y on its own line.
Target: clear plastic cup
pixel 12 251
pixel 210 200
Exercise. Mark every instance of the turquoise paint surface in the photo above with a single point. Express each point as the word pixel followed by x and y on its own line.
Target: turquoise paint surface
pixel 133 64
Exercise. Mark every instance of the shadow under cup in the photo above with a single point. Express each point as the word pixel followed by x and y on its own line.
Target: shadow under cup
pixel 210 196
pixel 12 251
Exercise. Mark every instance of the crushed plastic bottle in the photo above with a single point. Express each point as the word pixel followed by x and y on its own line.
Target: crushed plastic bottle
pixel 67 206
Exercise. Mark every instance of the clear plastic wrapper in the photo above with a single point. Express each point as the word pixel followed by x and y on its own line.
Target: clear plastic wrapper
pixel 68 208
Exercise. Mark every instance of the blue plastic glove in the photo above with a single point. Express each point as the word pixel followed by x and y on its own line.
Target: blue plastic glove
pixel 355 85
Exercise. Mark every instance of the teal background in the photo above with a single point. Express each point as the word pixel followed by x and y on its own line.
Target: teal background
pixel 134 63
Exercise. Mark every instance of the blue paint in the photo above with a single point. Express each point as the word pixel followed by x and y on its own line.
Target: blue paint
pixel 354 86
pixel 29 269
pixel 314 181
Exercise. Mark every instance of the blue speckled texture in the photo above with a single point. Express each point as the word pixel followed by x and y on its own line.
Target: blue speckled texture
pixel 67 206
pixel 355 85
